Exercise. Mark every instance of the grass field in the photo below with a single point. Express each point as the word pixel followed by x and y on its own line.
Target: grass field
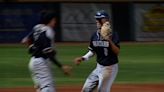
pixel 139 64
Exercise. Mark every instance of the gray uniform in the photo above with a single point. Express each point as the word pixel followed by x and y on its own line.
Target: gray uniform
pixel 101 77
pixel 40 67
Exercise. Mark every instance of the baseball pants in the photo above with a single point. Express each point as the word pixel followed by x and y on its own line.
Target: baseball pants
pixel 102 77
pixel 41 74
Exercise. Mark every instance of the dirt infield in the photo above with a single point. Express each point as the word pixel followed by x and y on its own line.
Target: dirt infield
pixel 115 88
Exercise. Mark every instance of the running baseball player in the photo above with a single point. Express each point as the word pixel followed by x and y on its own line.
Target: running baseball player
pixel 40 42
pixel 105 45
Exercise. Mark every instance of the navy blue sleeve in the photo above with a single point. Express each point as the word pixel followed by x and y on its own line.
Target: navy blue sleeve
pixel 115 39
pixel 91 47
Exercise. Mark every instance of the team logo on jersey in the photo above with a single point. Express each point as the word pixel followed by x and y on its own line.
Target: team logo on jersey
pixel 100 43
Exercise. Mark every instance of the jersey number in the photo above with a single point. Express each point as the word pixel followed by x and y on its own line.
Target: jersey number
pixel 105 51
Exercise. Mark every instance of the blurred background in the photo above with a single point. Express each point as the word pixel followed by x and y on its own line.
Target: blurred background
pixel 139 23
pixel 133 20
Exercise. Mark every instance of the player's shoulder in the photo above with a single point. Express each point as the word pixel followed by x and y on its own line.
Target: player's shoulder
pixel 115 34
pixel 94 34
pixel 38 26
pixel 49 32
pixel 47 28
pixel 42 27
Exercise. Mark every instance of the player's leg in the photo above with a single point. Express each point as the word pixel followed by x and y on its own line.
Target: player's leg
pixel 107 77
pixel 91 82
pixel 41 75
pixel 47 89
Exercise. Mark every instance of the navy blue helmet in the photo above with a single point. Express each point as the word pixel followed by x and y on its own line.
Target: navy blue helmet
pixel 101 14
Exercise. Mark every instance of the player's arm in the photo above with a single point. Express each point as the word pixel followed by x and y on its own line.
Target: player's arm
pixel 27 40
pixel 114 44
pixel 48 49
pixel 114 48
pixel 50 53
pixel 86 57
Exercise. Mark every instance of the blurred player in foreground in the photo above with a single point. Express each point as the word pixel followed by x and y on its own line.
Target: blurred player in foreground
pixel 40 42
pixel 105 44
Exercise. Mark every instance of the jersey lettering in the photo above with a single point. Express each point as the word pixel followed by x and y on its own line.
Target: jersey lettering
pixel 100 43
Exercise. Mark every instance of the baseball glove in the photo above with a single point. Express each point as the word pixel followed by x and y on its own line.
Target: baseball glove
pixel 106 31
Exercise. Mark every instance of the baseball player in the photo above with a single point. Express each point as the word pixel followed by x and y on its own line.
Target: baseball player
pixel 40 42
pixel 105 45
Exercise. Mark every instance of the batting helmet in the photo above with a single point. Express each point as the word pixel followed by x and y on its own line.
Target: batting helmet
pixel 101 14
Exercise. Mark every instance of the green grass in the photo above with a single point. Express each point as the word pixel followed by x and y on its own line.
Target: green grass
pixel 139 63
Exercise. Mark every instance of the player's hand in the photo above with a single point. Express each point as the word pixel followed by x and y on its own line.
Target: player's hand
pixel 78 60
pixel 67 69
pixel 24 40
